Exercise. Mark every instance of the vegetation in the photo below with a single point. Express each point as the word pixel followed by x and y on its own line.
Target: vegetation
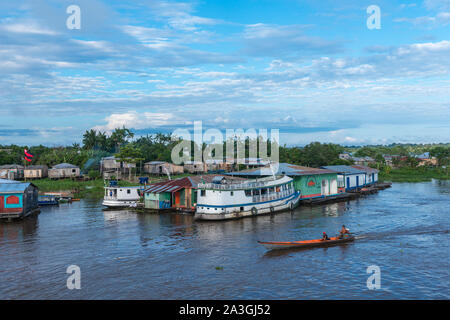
pixel 409 174
pixel 122 144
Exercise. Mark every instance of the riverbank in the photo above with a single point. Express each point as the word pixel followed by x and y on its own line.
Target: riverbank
pixel 85 188
pixel 420 174
pixel 79 189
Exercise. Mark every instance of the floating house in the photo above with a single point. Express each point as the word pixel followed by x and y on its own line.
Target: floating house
pixel 371 174
pixel 11 171
pixel 354 178
pixel 64 170
pixel 178 194
pixel 17 199
pixel 162 168
pixel 311 182
pixel 35 172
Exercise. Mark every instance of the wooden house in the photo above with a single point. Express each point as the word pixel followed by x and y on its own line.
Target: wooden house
pixel 11 171
pixel 113 167
pixel 162 168
pixel 195 167
pixel 17 199
pixel 64 170
pixel 35 172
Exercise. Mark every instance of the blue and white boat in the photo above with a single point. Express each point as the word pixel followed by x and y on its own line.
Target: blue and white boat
pixel 222 200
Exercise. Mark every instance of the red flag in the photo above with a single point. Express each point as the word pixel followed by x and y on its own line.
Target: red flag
pixel 28 156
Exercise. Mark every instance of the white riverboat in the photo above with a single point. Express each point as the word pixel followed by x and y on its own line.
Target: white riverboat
pixel 121 197
pixel 222 200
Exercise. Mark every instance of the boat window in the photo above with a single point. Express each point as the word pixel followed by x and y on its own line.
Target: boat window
pixel 248 193
pixel 202 193
pixel 256 192
pixel 232 193
pixel 264 191
pixel 128 191
pixel 242 208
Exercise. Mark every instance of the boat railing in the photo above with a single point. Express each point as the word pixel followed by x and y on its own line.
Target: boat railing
pixel 259 183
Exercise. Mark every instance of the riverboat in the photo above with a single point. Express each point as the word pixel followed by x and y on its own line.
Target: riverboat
pixel 121 197
pixel 222 200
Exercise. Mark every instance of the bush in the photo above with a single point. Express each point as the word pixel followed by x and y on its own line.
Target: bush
pixel 94 174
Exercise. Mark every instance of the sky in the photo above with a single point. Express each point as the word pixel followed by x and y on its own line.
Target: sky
pixel 311 69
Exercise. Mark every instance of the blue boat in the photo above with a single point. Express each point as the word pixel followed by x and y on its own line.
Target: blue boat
pixel 47 200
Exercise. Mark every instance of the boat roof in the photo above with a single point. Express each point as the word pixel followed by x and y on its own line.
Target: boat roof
pixel 13 187
pixel 281 168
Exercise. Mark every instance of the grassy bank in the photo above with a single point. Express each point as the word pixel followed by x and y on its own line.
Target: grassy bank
pixel 80 189
pixel 414 174
pixel 91 188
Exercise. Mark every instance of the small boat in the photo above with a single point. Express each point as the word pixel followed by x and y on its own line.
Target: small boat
pixel 48 200
pixel 121 197
pixel 276 245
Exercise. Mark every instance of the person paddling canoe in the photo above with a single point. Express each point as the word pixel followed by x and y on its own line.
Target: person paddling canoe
pixel 343 232
pixel 325 236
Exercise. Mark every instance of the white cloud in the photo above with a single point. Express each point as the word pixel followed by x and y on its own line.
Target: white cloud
pixel 135 120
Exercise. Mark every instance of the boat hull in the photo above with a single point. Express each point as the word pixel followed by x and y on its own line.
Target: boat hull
pixel 119 204
pixel 280 245
pixel 282 205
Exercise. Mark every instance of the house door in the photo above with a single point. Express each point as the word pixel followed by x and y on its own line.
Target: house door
pixel 357 181
pixel 348 182
pixel 373 177
pixel 2 201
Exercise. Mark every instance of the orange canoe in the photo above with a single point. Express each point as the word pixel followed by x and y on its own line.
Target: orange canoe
pixel 275 245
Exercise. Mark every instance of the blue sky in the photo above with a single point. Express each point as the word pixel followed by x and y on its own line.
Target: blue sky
pixel 311 69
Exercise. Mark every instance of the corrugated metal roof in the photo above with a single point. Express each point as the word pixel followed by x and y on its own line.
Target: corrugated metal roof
pixel 344 169
pixel 180 183
pixel 156 162
pixel 18 187
pixel 282 168
pixel 64 166
pixel 365 168
pixel 11 166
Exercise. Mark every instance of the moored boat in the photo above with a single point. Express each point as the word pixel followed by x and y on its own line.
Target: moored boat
pixel 222 200
pixel 48 200
pixel 277 245
pixel 121 197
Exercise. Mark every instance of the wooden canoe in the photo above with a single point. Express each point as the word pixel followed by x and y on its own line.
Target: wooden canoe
pixel 276 245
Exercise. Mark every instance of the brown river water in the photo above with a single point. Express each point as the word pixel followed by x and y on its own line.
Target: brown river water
pixel 122 254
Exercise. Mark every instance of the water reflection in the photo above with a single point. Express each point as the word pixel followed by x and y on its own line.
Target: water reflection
pixel 124 254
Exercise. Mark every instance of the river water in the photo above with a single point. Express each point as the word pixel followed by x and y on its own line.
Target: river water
pixel 403 230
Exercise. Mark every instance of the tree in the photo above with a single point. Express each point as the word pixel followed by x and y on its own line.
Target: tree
pixel 129 154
